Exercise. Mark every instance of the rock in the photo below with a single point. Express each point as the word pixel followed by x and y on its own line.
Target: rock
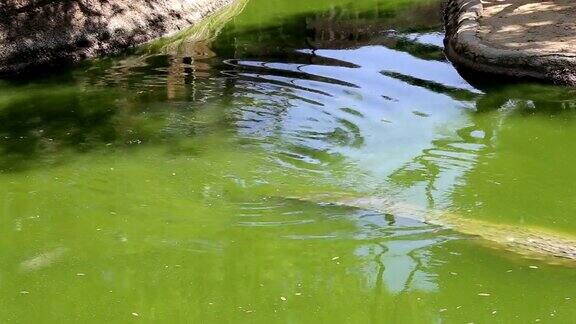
pixel 36 33
pixel 513 38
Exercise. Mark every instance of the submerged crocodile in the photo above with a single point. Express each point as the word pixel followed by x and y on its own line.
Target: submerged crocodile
pixel 531 242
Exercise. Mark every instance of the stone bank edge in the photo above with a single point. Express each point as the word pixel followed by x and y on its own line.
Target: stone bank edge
pixel 466 50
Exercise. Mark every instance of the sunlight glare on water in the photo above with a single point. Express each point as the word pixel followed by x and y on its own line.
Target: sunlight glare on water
pixel 197 178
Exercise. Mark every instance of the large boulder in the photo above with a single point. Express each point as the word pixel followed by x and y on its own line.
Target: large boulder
pixel 533 39
pixel 46 32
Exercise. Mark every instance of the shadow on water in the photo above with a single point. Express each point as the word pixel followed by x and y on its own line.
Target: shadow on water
pixel 111 101
pixel 204 133
pixel 343 82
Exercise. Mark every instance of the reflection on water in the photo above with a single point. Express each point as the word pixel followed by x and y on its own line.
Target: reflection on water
pixel 162 183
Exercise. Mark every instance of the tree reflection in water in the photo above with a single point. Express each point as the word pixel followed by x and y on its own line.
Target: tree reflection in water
pixel 361 94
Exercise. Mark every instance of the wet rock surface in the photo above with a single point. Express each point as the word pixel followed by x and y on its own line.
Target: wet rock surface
pixel 37 33
pixel 516 38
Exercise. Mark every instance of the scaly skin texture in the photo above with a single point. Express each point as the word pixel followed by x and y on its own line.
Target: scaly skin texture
pixel 531 242
pixel 40 32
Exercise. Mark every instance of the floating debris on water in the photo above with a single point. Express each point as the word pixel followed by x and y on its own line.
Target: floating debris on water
pixel 283 298
pixel 484 294
pixel 420 114
pixel 42 260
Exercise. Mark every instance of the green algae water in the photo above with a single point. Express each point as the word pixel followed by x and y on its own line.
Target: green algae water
pixel 159 186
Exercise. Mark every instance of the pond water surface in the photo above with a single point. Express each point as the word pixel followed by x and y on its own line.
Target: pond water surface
pixel 161 185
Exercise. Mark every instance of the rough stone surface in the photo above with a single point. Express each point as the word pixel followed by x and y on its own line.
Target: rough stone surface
pixel 518 38
pixel 44 32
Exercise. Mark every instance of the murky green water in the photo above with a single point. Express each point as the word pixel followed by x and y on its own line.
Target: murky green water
pixel 157 186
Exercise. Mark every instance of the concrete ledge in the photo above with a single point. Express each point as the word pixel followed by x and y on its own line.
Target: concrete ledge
pixel 48 32
pixel 464 47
